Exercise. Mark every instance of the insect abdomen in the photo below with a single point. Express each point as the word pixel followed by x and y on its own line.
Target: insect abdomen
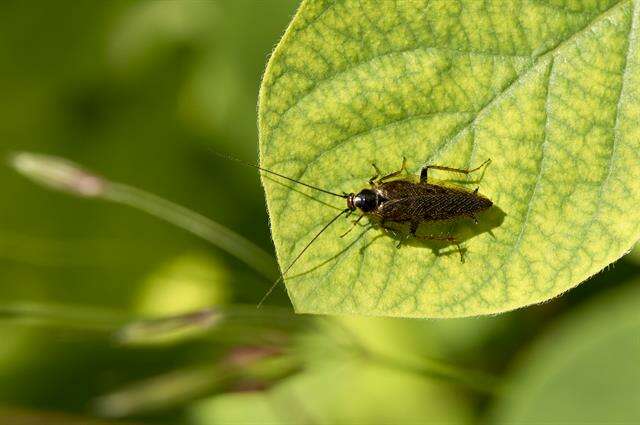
pixel 455 203
pixel 413 202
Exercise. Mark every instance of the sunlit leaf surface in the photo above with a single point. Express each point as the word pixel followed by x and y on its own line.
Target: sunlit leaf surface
pixel 547 90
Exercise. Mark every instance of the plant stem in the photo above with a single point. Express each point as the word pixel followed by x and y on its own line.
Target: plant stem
pixel 66 176
pixel 434 369
pixel 65 316
pixel 215 233
pixel 426 367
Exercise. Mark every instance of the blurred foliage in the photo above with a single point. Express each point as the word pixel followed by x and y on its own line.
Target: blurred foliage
pixel 584 369
pixel 634 255
pixel 190 282
pixel 141 91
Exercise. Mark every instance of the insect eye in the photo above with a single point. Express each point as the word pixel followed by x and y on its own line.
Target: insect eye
pixel 366 200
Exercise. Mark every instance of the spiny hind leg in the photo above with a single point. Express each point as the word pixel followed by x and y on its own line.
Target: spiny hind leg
pixel 459 248
pixel 425 170
pixel 413 229
pixel 447 238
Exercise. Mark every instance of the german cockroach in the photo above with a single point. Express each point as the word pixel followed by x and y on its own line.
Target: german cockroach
pixel 393 199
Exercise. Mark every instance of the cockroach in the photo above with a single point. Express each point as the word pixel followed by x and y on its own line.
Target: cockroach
pixel 393 199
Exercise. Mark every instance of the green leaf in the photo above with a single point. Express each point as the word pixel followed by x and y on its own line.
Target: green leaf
pixel 584 371
pixel 342 385
pixel 634 255
pixel 547 89
pixel 359 393
pixel 184 284
pixel 235 408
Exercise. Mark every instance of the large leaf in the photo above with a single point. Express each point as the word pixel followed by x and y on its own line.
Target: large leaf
pixel 585 370
pixel 547 89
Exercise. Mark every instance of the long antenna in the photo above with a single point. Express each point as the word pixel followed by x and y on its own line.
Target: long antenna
pixel 326 226
pixel 279 175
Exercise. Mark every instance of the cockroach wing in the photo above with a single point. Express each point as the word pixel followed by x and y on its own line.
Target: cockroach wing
pixel 418 202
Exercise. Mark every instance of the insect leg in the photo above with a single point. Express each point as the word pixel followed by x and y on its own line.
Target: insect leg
pixel 451 239
pixel 425 170
pixel 401 240
pixel 461 252
pixel 413 227
pixel 395 173
pixel 373 179
pixel 394 232
pixel 355 222
pixel 437 238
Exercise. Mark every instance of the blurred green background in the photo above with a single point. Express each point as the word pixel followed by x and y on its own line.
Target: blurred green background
pixel 142 92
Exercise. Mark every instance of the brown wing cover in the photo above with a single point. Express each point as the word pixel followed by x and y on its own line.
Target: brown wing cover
pixel 408 201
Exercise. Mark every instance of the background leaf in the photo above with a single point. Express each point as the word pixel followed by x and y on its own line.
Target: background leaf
pixel 352 393
pixel 340 384
pixel 584 370
pixel 547 90
pixel 634 255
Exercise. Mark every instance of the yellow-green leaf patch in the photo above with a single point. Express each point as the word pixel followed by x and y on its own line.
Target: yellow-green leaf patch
pixel 547 89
